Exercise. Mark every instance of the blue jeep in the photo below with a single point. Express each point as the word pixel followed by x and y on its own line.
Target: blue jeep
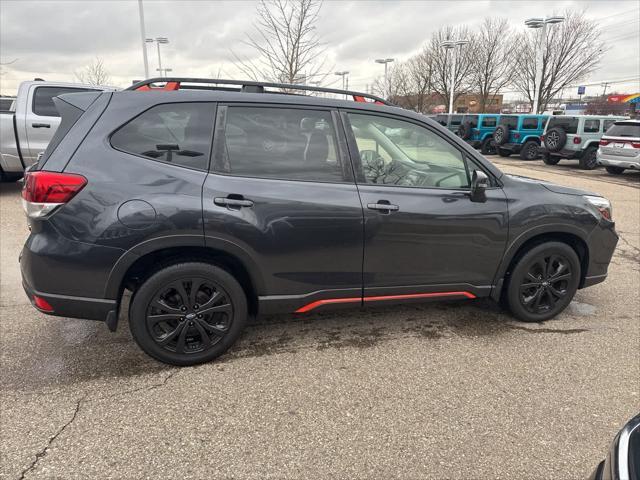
pixel 519 134
pixel 478 130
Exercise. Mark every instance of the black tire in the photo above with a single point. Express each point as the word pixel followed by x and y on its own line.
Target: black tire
pixel 550 159
pixel 589 160
pixel 501 134
pixel 543 282
pixel 503 153
pixel 529 150
pixel 488 147
pixel 555 138
pixel 464 130
pixel 615 170
pixel 195 327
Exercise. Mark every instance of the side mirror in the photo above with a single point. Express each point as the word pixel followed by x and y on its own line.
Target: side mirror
pixel 479 185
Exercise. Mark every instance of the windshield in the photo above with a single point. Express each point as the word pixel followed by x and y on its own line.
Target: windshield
pixel 621 129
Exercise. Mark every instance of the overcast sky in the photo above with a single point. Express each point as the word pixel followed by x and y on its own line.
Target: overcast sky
pixel 53 39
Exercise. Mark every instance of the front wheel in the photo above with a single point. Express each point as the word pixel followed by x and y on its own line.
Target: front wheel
pixel 543 282
pixel 615 170
pixel 188 313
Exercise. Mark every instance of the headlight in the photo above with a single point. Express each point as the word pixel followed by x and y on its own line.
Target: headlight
pixel 602 205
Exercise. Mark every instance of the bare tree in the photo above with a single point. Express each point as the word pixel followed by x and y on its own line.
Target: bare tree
pixel 288 47
pixel 493 58
pixel 410 83
pixel 441 58
pixel 94 74
pixel 573 50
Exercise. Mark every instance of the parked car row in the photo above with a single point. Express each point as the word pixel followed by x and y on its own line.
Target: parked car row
pixel 611 141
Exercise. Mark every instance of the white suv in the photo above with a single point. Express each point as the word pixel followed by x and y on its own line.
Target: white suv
pixel 620 147
pixel 575 136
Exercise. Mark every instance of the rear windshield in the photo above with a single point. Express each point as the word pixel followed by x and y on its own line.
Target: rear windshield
pixel 569 124
pixel 510 121
pixel 624 130
pixel 471 119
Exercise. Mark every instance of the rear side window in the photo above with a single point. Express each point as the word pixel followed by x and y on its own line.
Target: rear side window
pixel 176 133
pixel 489 121
pixel 510 121
pixel 283 143
pixel 43 99
pixel 442 120
pixel 472 119
pixel 624 130
pixel 569 124
pixel 456 120
pixel 591 126
pixel 529 123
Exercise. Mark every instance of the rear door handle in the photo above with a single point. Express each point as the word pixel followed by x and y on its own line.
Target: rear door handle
pixel 232 202
pixel 381 206
pixel 40 125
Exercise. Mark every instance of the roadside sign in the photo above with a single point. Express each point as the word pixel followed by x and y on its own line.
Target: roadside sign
pixel 581 90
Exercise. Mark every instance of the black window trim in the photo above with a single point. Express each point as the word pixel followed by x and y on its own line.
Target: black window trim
pixel 357 163
pixel 341 142
pixel 206 169
pixel 79 90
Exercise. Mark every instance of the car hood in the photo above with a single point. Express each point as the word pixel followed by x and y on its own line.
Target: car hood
pixel 552 187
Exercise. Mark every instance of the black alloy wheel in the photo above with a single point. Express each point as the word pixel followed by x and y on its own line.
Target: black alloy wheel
pixel 488 147
pixel 543 282
pixel 188 313
pixel 529 150
pixel 589 159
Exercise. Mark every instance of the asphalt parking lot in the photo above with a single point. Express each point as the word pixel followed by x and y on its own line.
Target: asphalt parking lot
pixel 440 390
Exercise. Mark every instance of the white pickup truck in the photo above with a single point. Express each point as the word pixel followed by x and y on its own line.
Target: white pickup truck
pixel 26 132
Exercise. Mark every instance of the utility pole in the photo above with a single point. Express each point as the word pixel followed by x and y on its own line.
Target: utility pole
pixel 451 45
pixel 143 37
pixel 386 62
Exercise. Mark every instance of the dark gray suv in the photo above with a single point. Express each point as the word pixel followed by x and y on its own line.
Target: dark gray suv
pixel 214 200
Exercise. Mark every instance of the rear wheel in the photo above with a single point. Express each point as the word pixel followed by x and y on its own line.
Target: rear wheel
pixel 529 150
pixel 488 147
pixel 503 153
pixel 188 313
pixel 615 170
pixel 550 159
pixel 543 282
pixel 588 160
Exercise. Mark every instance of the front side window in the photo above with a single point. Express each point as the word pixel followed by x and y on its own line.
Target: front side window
pixel 283 143
pixel 591 126
pixel 529 123
pixel 176 133
pixel 43 99
pixel 489 122
pixel 510 121
pixel 399 153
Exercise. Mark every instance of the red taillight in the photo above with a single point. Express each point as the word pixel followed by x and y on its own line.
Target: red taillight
pixel 604 142
pixel 635 144
pixel 42 304
pixel 44 191
pixel 577 140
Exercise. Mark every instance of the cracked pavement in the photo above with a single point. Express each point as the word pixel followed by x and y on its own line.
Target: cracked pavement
pixel 435 390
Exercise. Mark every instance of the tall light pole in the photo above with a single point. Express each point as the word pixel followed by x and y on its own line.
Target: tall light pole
pixel 158 41
pixel 165 70
pixel 344 74
pixel 451 45
pixel 386 61
pixel 540 23
pixel 143 37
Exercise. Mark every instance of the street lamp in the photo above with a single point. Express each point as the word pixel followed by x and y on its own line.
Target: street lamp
pixel 540 23
pixel 143 38
pixel 385 61
pixel 158 41
pixel 344 74
pixel 451 45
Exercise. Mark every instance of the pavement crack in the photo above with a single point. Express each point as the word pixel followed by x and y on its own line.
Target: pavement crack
pixel 43 453
pixel 626 242
pixel 565 331
pixel 153 386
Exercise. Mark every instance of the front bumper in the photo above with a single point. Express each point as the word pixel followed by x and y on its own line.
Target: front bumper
pixel 601 244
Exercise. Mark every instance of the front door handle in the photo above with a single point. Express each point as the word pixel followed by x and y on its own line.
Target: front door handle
pixel 232 202
pixel 40 125
pixel 383 206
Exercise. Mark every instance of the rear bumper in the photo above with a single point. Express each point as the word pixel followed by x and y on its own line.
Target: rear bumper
pixel 564 153
pixel 618 161
pixel 72 307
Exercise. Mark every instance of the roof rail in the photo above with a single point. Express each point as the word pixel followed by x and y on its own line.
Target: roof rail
pixel 177 83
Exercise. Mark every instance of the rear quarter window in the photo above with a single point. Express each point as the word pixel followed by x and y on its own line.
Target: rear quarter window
pixel 569 124
pixel 489 121
pixel 456 120
pixel 175 133
pixel 43 99
pixel 510 121
pixel 529 123
pixel 591 126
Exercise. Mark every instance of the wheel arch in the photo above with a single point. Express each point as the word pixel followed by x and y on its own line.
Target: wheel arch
pixel 535 138
pixel 564 234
